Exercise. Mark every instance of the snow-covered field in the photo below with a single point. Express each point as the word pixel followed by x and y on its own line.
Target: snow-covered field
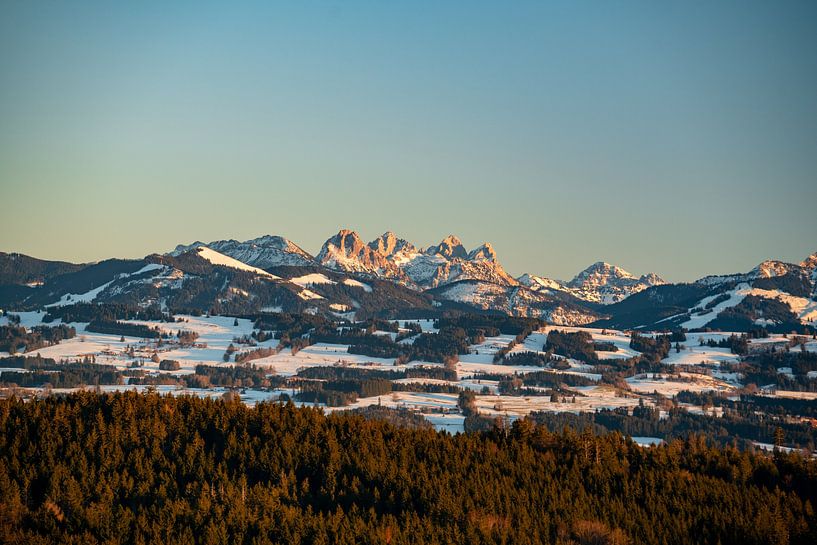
pixel 670 385
pixel 217 333
pixel 693 354
pixel 796 395
pixel 311 280
pixel 321 354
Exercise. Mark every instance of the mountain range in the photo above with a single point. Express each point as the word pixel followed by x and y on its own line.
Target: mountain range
pixel 394 258
pixel 390 276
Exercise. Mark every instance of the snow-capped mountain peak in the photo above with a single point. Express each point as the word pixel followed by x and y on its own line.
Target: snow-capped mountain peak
pixel 389 244
pixel 810 262
pixel 771 268
pixel 483 253
pixel 450 247
pixel 600 274
pixel 392 257
pixel 604 283
pixel 346 251
pixel 651 279
pixel 262 252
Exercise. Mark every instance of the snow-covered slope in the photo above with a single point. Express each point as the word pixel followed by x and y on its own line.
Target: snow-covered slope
pixel 311 280
pixel 217 258
pixel 91 295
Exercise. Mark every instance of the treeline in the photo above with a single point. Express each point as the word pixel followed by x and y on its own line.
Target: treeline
pixel 240 376
pixel 401 417
pixel 552 378
pixel 441 347
pixel 124 329
pixel 534 359
pixel 348 373
pixel 736 426
pixel 45 372
pixel 338 393
pixel 15 338
pixel 375 346
pixel 435 373
pixel 425 387
pixel 491 324
pixel 255 354
pixel 155 469
pixel 27 362
pixel 339 386
pixel 287 326
pixel 40 372
pixel 751 403
pixel 337 373
pixel 577 345
pixel 763 368
pixel 737 344
pixel 106 312
pixel 653 349
pixel 438 347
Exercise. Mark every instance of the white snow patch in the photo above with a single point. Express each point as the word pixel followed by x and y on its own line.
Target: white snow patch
pixel 217 258
pixel 647 441
pixel 357 284
pixel 307 295
pixel 311 280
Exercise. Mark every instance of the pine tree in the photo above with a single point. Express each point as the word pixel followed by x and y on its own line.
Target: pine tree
pixel 779 437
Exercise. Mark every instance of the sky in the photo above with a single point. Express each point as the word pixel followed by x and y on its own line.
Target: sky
pixel 675 137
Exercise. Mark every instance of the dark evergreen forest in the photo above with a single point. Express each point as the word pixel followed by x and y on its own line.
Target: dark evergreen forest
pixel 131 468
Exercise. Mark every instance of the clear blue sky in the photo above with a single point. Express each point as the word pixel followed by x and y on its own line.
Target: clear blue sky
pixel 679 137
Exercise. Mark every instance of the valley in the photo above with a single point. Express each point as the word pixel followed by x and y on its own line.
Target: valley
pixel 441 332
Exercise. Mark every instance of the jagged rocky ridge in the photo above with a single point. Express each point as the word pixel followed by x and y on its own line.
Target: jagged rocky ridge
pixel 394 258
pixel 390 276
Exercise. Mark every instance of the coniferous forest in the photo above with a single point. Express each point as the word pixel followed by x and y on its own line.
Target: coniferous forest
pixel 133 468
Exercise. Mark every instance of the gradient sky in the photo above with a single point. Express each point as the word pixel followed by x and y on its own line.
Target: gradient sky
pixel 676 137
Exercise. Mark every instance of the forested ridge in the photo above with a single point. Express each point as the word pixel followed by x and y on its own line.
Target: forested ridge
pixel 134 468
